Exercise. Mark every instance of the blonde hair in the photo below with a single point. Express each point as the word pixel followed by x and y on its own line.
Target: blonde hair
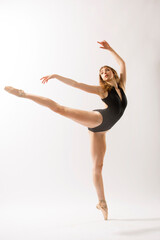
pixel 105 84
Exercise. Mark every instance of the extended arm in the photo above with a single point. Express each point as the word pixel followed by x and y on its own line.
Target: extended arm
pixel 82 86
pixel 65 80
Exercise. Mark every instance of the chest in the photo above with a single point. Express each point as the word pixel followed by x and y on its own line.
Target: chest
pixel 117 91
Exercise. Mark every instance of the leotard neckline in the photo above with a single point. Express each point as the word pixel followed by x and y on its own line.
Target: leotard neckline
pixel 116 93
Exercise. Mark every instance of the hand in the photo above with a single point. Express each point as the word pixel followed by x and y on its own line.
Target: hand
pixel 105 45
pixel 46 78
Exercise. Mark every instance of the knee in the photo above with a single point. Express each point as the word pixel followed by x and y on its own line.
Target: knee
pixel 55 106
pixel 97 167
pixel 60 109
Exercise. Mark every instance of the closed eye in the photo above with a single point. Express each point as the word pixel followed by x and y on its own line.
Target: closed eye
pixel 107 70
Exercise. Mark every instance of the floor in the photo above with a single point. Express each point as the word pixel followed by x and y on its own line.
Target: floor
pixel 78 222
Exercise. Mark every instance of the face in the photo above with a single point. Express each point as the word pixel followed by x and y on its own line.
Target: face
pixel 106 74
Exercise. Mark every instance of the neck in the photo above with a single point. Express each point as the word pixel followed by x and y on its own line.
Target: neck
pixel 113 83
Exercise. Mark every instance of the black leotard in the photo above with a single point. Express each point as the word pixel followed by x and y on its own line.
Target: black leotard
pixel 114 112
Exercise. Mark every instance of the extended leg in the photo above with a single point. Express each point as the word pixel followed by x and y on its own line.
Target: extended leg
pixel 86 118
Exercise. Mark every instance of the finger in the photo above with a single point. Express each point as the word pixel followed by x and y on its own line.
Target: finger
pixel 44 81
pixel 44 77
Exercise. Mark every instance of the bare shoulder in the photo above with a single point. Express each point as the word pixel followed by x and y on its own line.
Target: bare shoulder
pixel 102 93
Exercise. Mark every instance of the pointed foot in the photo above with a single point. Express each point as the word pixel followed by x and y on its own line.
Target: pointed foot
pixel 103 207
pixel 15 91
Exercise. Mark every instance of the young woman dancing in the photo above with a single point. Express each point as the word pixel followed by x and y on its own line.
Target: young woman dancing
pixel 111 90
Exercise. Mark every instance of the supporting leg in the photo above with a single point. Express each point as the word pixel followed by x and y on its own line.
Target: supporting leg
pixel 98 149
pixel 98 182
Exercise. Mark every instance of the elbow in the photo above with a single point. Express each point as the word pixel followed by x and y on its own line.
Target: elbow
pixel 123 62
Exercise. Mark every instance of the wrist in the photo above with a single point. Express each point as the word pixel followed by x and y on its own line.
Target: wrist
pixel 54 75
pixel 111 49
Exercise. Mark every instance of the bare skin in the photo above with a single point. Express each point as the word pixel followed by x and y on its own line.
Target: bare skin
pixel 89 119
pixel 86 118
pixel 98 149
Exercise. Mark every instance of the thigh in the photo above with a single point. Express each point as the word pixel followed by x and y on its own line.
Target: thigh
pixel 97 146
pixel 86 118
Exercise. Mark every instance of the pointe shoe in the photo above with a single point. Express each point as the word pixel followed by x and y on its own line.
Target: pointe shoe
pixel 17 92
pixel 102 205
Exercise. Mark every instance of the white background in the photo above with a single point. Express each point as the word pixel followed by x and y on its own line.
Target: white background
pixel 45 160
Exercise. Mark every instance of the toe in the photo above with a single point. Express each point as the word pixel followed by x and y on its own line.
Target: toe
pixel 7 88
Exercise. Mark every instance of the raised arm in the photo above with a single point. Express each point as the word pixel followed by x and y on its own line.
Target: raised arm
pixel 109 48
pixel 122 67
pixel 119 60
pixel 85 87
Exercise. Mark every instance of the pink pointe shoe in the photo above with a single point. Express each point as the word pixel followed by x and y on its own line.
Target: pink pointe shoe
pixel 102 205
pixel 17 92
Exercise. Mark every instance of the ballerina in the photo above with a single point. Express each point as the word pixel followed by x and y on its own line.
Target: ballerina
pixel 111 90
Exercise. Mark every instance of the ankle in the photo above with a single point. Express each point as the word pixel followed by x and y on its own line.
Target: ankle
pixel 103 203
pixel 102 200
pixel 24 95
pixel 21 93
